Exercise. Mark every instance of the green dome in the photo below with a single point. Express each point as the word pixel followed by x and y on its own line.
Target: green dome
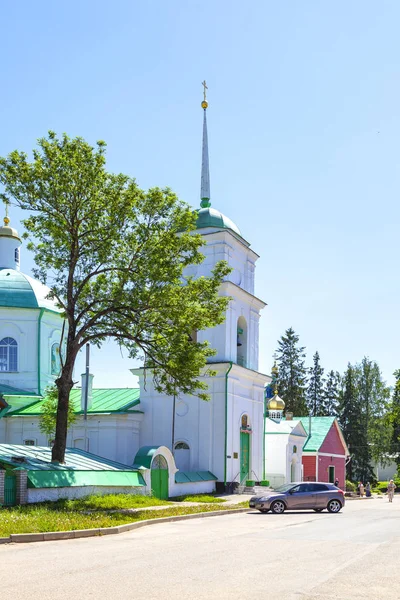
pixel 210 217
pixel 21 291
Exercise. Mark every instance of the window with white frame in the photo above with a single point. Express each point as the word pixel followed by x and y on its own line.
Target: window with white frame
pixel 29 442
pixel 8 354
pixel 55 359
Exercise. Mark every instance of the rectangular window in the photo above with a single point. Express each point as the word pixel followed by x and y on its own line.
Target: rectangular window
pixel 29 442
pixel 3 358
pixel 13 358
pixel 331 474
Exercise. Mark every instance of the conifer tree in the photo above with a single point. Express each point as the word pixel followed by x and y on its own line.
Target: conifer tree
pixel 292 373
pixel 315 390
pixel 351 422
pixel 332 394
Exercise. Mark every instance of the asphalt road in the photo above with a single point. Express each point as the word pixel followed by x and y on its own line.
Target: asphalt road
pixel 295 556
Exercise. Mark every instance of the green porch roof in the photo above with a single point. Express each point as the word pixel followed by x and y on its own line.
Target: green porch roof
pixel 144 457
pixel 80 468
pixel 192 476
pixel 104 400
pixel 320 427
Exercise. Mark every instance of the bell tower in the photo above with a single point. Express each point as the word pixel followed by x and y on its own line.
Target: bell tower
pixel 236 339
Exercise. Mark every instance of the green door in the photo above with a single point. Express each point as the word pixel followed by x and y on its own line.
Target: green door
pixel 244 456
pixel 10 490
pixel 159 478
pixel 331 474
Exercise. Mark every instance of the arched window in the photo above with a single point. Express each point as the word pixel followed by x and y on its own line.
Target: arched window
pixel 244 422
pixel 8 354
pixel 294 449
pixel 16 256
pixel 182 456
pixel 181 446
pixel 242 342
pixel 55 359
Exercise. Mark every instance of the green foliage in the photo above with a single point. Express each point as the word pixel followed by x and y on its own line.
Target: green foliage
pixel 48 418
pixel 332 394
pixel 36 518
pixel 350 486
pixel 114 257
pixel 315 390
pixel 207 498
pixel 264 483
pixel 394 418
pixel 292 373
pixel 111 502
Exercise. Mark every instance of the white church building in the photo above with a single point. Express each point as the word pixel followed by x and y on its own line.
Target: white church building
pixel 224 437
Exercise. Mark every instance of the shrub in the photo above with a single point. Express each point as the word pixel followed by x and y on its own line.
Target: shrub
pixel 350 486
pixel 250 483
pixel 264 483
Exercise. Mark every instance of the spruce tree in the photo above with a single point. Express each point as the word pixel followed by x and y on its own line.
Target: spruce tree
pixel 292 373
pixel 315 390
pixel 351 421
pixel 332 394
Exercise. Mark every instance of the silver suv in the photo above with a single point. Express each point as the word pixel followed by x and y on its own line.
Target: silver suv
pixel 300 496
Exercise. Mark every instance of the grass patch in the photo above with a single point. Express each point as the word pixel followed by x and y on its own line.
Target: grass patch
pixel 40 518
pixel 109 502
pixel 199 498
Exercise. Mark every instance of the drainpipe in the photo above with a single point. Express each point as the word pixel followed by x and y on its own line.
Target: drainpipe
pixel 38 349
pixel 226 419
pixel 264 417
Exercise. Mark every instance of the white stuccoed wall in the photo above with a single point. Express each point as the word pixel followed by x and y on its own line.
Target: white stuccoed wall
pixel 22 324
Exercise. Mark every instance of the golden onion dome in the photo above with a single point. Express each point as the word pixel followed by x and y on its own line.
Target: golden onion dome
pixel 276 403
pixel 7 231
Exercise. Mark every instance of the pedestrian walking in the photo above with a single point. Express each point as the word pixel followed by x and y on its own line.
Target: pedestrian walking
pixel 361 485
pixel 390 490
pixel 337 482
pixel 368 490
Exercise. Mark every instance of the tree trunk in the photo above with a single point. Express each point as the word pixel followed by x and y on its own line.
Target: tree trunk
pixel 64 385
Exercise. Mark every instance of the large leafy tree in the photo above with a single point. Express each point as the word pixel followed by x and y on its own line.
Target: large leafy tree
pixel 374 400
pixel 332 394
pixel 394 416
pixel 292 373
pixel 114 256
pixel 315 389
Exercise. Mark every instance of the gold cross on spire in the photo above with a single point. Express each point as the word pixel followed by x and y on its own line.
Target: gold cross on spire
pixel 204 104
pixel 6 219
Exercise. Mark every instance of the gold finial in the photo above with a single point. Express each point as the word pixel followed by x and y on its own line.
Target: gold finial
pixel 6 219
pixel 275 369
pixel 204 104
pixel 276 391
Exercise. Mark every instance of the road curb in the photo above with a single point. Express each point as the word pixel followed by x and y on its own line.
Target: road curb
pixel 20 538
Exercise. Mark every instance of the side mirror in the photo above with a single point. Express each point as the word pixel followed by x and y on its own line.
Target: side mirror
pixel 291 492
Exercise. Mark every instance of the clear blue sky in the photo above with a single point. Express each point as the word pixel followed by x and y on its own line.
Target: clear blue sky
pixel 304 133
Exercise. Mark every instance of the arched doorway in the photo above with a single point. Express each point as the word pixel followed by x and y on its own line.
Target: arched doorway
pixel 159 477
pixel 245 446
pixel 182 456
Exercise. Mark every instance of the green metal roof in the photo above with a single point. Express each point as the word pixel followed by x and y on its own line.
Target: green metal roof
pixel 104 400
pixel 80 468
pixel 8 390
pixel 15 290
pixel 144 457
pixel 210 217
pixel 192 476
pixel 320 427
pixel 18 290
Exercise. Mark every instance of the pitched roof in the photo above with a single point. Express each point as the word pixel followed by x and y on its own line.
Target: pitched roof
pixel 104 400
pixel 320 427
pixel 80 467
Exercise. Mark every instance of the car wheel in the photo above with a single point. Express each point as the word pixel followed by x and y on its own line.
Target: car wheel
pixel 318 509
pixel 334 506
pixel 278 507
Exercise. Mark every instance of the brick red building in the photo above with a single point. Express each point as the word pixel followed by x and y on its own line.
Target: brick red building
pixel 325 451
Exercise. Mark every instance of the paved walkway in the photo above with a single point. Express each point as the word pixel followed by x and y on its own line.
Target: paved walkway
pixel 353 555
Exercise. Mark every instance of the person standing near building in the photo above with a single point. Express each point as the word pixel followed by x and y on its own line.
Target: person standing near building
pixel 361 486
pixel 368 490
pixel 390 490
